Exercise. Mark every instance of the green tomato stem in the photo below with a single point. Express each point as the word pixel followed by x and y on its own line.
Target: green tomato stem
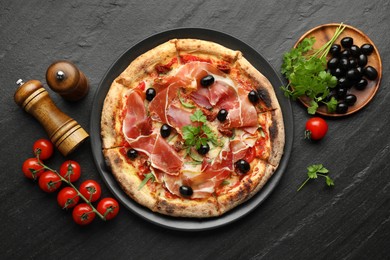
pixel 74 187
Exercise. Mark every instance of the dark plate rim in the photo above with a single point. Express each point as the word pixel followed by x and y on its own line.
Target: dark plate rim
pixel 188 224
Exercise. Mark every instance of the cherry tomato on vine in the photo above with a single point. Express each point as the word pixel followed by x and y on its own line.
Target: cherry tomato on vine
pixel 44 147
pixel 316 128
pixel 83 214
pixel 32 169
pixel 70 170
pixel 49 181
pixel 91 190
pixel 108 207
pixel 67 198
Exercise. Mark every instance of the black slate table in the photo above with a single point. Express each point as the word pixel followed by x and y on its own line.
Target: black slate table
pixel 349 221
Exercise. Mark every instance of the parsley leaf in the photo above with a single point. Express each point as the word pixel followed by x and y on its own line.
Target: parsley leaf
pixel 315 170
pixel 198 117
pixel 305 69
pixel 198 135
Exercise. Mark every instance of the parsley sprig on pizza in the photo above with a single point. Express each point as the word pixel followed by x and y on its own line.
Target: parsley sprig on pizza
pixel 191 129
pixel 199 135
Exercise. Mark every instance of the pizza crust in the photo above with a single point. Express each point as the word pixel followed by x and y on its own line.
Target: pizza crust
pixel 206 50
pixel 144 66
pixel 193 208
pixel 277 137
pixel 111 126
pixel 248 186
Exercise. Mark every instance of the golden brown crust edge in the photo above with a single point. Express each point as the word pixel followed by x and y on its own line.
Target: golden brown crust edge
pixel 248 187
pixel 205 49
pixel 177 207
pixel 110 124
pixel 144 65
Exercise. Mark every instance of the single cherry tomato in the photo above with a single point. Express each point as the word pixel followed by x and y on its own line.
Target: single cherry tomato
pixel 49 181
pixel 44 148
pixel 108 207
pixel 70 170
pixel 32 169
pixel 83 214
pixel 67 198
pixel 316 128
pixel 91 190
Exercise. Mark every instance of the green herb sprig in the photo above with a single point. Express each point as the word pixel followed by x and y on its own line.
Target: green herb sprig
pixel 198 135
pixel 315 170
pixel 307 75
pixel 148 176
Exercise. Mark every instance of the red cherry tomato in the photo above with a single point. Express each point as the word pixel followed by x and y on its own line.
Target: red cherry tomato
pixel 108 207
pixel 32 169
pixel 91 190
pixel 44 148
pixel 70 170
pixel 83 214
pixel 316 128
pixel 67 198
pixel 49 181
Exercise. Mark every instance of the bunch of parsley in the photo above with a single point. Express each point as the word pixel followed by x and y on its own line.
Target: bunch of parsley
pixel 307 75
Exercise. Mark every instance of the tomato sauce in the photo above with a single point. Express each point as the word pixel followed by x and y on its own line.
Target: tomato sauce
pixel 190 58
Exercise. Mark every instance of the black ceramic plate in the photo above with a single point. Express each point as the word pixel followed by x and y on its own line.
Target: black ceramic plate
pixel 190 224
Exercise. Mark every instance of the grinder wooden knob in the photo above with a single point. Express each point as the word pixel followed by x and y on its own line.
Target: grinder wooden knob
pixel 67 80
pixel 64 132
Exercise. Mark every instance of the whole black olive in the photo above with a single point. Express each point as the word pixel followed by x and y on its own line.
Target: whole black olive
pixel 242 166
pixel 165 130
pixel 337 72
pixel 362 84
pixel 335 50
pixel 362 60
pixel 186 191
pixel 367 48
pixel 253 96
pixel 333 62
pixel 222 115
pixel 370 72
pixel 341 92
pixel 350 99
pixel 355 51
pixel 345 53
pixel 353 63
pixel 132 154
pixel 203 149
pixel 344 82
pixel 344 63
pixel 207 81
pixel 353 74
pixel 346 42
pixel 150 94
pixel 341 108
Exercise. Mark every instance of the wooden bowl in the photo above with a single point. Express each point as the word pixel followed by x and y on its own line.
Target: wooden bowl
pixel 323 34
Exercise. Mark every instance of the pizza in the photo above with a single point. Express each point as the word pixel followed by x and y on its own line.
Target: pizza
pixel 191 129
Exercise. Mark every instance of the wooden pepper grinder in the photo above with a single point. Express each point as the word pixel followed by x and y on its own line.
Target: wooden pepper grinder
pixel 64 132
pixel 67 80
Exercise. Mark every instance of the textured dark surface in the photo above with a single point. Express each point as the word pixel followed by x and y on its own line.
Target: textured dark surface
pixel 350 221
